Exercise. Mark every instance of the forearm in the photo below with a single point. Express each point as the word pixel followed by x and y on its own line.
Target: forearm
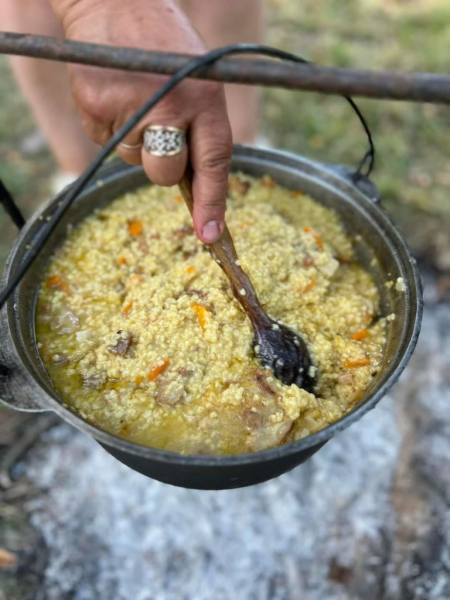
pixel 136 23
pixel 70 11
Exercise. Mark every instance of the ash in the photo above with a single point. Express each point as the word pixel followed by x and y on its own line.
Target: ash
pixel 366 517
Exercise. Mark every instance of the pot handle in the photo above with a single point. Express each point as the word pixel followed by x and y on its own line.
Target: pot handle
pixel 356 179
pixel 18 390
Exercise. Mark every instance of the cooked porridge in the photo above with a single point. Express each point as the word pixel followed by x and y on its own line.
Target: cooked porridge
pixel 141 335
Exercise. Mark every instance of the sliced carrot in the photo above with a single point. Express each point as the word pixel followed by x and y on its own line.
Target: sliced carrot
pixel 127 308
pixel 315 235
pixel 267 181
pixel 139 379
pixel 57 282
pixel 201 314
pixel 135 228
pixel 178 199
pixel 362 362
pixel 54 281
pixel 360 335
pixel 312 284
pixel 121 261
pixel 190 270
pixel 158 369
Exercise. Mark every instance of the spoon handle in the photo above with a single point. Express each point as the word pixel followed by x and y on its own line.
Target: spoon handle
pixel 224 253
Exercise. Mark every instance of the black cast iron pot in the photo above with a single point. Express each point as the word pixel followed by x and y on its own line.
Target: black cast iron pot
pixel 25 385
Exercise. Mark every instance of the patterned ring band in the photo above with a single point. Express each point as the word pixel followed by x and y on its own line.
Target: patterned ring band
pixel 162 140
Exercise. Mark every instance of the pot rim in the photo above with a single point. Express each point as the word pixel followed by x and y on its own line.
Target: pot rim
pixel 108 439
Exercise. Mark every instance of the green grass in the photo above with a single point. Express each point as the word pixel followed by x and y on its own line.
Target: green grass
pixel 27 179
pixel 412 140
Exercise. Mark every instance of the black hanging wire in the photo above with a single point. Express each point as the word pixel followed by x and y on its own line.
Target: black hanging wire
pixel 11 208
pixel 194 65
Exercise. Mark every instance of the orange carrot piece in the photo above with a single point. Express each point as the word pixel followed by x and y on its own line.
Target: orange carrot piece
pixel 158 369
pixel 267 181
pixel 121 261
pixel 201 314
pixel 178 199
pixel 362 362
pixel 312 284
pixel 315 235
pixel 54 281
pixel 127 308
pixel 57 282
pixel 360 335
pixel 190 270
pixel 135 228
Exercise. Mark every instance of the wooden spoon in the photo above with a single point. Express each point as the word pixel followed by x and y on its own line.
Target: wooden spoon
pixel 276 346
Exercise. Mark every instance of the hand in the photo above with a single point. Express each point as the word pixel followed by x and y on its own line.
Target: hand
pixel 106 98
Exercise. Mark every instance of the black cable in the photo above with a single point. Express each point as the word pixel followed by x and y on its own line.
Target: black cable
pixel 195 64
pixel 11 207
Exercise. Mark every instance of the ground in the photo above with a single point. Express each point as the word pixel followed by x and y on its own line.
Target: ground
pixel 367 517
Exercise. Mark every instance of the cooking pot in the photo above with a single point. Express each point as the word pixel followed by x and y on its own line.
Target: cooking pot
pixel 379 246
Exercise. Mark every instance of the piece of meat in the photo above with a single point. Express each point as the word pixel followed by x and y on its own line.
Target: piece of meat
pixel 261 380
pixel 269 435
pixel 190 254
pixel 122 345
pixel 238 185
pixel 184 231
pixel 199 293
pixel 94 382
pixel 258 414
pixel 170 393
pixel 185 372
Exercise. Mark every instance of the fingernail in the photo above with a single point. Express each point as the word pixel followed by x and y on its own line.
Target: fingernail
pixel 211 231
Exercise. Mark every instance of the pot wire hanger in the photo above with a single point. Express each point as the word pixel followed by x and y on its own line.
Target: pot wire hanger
pixel 195 64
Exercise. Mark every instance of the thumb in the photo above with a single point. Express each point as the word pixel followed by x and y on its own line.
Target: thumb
pixel 211 147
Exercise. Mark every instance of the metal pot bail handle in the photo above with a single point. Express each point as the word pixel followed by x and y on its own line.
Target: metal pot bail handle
pixel 360 176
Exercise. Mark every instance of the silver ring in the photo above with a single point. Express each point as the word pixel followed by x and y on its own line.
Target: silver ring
pixel 162 140
pixel 131 146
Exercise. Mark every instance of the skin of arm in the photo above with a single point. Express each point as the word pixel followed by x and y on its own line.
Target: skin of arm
pixel 105 99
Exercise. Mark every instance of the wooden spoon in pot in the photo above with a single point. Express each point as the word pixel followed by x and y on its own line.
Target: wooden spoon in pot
pixel 276 346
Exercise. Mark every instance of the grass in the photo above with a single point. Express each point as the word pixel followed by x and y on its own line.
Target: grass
pixel 412 140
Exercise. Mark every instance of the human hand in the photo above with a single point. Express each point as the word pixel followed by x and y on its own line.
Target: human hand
pixel 106 98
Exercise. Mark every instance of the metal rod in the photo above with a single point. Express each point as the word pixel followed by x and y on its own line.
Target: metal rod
pixel 414 87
